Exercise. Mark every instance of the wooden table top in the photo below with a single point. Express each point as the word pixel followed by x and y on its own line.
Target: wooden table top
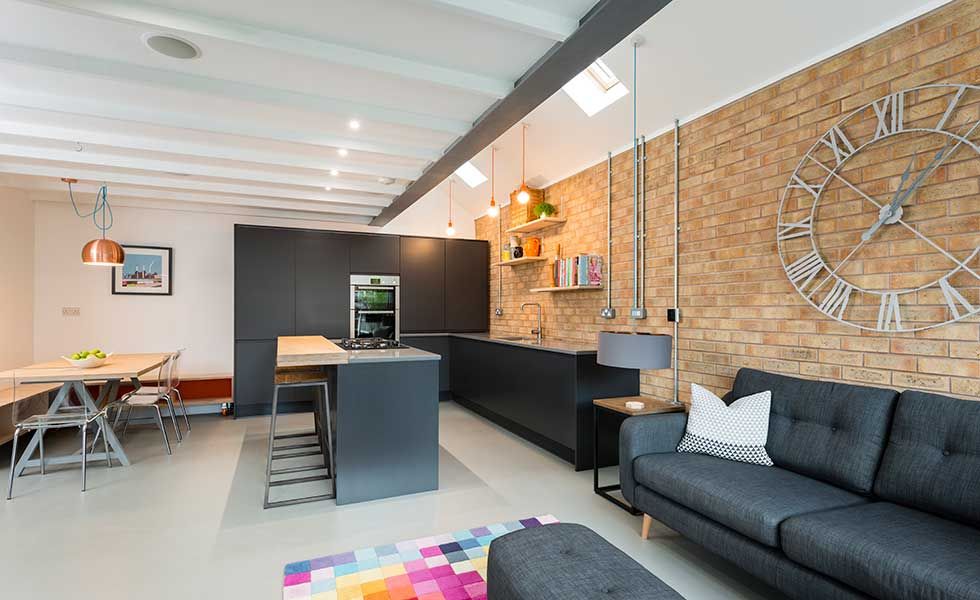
pixel 307 351
pixel 651 406
pixel 9 395
pixel 118 367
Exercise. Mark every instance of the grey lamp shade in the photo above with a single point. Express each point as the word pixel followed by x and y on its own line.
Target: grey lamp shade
pixel 634 350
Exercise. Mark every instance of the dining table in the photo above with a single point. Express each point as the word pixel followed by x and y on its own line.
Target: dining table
pixel 68 378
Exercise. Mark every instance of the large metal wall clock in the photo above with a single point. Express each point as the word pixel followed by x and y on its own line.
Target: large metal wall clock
pixel 879 225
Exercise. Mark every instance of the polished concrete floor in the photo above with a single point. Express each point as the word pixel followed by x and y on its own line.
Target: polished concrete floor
pixel 191 525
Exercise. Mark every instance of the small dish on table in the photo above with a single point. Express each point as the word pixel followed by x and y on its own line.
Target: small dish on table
pixel 91 361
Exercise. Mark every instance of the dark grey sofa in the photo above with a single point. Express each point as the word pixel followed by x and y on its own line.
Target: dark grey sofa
pixel 874 493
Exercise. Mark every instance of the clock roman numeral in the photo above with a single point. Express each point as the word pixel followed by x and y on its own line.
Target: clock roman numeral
pixel 951 107
pixel 803 270
pixel 788 231
pixel 836 301
pixel 954 299
pixel 802 185
pixel 889 313
pixel 890 111
pixel 838 142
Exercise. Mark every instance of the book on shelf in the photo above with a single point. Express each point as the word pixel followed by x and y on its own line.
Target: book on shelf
pixel 583 270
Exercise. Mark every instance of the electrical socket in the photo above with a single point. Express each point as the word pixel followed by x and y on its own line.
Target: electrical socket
pixel 71 311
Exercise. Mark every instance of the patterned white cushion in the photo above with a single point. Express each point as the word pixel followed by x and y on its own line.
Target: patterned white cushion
pixel 736 432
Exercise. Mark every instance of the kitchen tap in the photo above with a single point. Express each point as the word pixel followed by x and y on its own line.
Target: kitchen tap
pixel 538 330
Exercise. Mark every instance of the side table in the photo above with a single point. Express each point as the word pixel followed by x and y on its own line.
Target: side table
pixel 651 406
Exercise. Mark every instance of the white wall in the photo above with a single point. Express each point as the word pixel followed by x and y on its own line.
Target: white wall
pixel 200 314
pixel 16 278
pixel 430 215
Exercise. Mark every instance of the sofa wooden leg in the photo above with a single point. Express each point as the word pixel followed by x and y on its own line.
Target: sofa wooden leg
pixel 645 531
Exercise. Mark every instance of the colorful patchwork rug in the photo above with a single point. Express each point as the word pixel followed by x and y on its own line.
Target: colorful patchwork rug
pixel 452 566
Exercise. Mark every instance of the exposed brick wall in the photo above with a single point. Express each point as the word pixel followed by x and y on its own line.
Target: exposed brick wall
pixel 739 308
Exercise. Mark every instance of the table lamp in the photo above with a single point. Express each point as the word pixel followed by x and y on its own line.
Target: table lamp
pixel 635 351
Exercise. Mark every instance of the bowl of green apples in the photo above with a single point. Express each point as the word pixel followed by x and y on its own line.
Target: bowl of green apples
pixel 88 359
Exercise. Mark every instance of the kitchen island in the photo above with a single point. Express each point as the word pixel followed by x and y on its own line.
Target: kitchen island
pixel 541 391
pixel 384 406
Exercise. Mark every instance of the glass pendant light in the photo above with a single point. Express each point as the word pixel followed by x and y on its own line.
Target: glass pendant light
pixel 100 252
pixel 450 230
pixel 524 193
pixel 493 211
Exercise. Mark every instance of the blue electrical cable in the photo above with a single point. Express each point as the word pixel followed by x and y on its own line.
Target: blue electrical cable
pixel 101 205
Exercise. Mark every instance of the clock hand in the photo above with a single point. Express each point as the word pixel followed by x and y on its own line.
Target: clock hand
pixel 886 212
pixel 902 198
pixel 916 232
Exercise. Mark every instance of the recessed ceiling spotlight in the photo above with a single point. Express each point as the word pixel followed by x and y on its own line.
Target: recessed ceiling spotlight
pixel 354 124
pixel 327 188
pixel 386 180
pixel 334 172
pixel 171 46
pixel 342 151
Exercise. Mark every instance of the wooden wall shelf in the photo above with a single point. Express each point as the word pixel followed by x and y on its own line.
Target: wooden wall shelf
pixel 536 225
pixel 520 261
pixel 577 288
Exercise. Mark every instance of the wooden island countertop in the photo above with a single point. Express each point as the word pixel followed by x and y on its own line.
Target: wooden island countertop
pixel 308 351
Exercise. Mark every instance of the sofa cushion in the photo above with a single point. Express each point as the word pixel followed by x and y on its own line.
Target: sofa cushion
pixel 847 423
pixel 889 551
pixel 932 460
pixel 751 499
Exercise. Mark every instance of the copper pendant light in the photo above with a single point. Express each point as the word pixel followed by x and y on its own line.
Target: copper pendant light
pixel 450 230
pixel 524 192
pixel 494 210
pixel 100 252
pixel 103 252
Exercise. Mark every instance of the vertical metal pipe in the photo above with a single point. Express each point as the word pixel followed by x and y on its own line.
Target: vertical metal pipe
pixel 637 312
pixel 636 229
pixel 643 221
pixel 677 233
pixel 608 312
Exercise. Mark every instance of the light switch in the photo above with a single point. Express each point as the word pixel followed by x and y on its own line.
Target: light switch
pixel 71 311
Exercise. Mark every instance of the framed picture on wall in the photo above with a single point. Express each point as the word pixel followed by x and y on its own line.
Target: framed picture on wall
pixel 146 271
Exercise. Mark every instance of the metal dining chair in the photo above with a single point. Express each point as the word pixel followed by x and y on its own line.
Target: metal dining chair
pixel 150 397
pixel 60 420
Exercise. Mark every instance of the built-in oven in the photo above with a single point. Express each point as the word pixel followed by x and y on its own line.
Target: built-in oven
pixel 374 306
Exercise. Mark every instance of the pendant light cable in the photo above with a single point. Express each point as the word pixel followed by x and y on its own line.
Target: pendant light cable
pixel 101 206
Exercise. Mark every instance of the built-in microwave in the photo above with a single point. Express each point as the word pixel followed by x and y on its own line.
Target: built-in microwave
pixel 374 306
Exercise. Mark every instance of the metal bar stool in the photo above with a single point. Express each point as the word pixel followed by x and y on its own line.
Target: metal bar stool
pixel 295 377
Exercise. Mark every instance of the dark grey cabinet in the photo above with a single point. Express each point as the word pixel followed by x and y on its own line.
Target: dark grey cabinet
pixel 437 344
pixel 423 284
pixel 265 300
pixel 374 254
pixel 255 363
pixel 543 396
pixel 322 284
pixel 467 285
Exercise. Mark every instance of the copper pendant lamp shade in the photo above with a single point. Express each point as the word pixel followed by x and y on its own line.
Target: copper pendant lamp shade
pixel 103 253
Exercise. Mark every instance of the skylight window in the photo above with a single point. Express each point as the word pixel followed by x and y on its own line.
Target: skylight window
pixel 595 88
pixel 471 175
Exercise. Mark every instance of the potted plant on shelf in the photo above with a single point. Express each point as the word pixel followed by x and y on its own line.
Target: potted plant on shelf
pixel 545 209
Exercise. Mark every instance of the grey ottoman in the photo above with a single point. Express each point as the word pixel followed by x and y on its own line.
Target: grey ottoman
pixel 565 561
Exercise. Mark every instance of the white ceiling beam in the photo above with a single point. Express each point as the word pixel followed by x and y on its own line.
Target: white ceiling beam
pixel 157 116
pixel 122 161
pixel 187 183
pixel 130 73
pixel 241 33
pixel 12 122
pixel 130 192
pixel 351 222
pixel 515 15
